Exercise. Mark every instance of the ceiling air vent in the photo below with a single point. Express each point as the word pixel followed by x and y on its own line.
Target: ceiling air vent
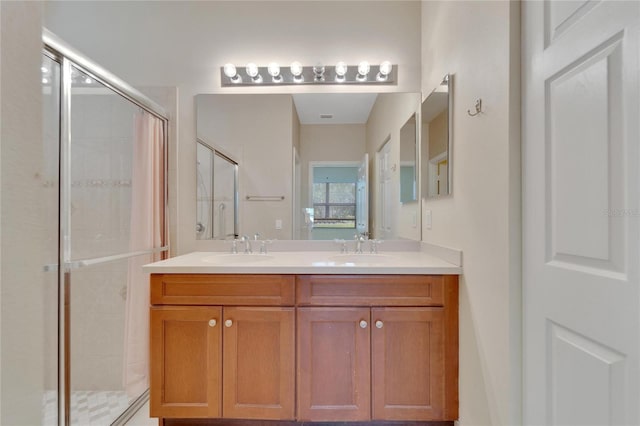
pixel 326 115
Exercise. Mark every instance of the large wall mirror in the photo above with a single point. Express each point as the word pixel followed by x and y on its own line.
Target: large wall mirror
pixel 436 141
pixel 308 163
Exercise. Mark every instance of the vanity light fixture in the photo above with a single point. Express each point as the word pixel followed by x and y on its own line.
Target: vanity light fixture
pixel 231 73
pixel 296 73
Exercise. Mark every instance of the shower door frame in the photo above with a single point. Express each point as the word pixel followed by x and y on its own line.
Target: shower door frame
pixel 66 56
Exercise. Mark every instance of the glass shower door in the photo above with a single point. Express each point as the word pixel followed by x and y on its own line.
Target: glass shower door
pixel 114 225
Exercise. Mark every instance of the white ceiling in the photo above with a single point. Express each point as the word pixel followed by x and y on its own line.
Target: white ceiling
pixel 345 108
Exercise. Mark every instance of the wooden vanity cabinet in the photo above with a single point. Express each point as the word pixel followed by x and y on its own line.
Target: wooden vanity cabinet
pixel 305 347
pixel 222 361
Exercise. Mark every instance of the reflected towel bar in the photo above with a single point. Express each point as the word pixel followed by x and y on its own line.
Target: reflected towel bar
pixel 264 197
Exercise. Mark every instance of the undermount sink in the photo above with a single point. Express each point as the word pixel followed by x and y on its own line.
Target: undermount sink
pixel 237 259
pixel 361 258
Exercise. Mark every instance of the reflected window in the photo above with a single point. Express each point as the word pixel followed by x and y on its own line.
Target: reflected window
pixel 334 196
pixel 334 205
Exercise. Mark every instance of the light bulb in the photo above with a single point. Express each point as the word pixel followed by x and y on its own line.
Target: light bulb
pixel 341 69
pixel 363 70
pixel 385 68
pixel 274 71
pixel 230 70
pixel 252 70
pixel 296 69
pixel 384 71
pixel 44 69
pixel 88 80
pixel 45 80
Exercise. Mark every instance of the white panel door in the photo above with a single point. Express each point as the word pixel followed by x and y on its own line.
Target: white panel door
pixel 384 201
pixel 581 212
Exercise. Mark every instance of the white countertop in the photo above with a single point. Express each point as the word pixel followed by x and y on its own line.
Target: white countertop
pixel 305 262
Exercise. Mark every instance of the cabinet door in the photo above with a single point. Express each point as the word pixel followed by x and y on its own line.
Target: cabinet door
pixel 185 368
pixel 334 364
pixel 259 363
pixel 408 363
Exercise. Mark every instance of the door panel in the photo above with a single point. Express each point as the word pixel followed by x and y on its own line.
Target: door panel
pixel 186 383
pixel 333 364
pixel 408 363
pixel 362 197
pixel 584 150
pixel 580 221
pixel 259 366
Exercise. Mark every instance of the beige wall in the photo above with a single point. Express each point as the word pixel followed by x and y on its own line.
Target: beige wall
pixel 256 131
pixel 201 36
pixel 478 42
pixel 387 117
pixel 438 131
pixel 22 218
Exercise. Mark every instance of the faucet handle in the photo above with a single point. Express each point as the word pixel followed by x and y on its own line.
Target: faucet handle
pixel 234 245
pixel 256 236
pixel 373 245
pixel 263 246
pixel 343 244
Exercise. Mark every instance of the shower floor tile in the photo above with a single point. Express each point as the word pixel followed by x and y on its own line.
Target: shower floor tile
pixel 99 408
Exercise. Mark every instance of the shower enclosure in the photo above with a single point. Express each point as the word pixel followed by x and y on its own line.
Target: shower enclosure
pixel 105 149
pixel 217 194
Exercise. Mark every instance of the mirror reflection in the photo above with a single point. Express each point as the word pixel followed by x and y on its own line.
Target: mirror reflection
pixel 408 154
pixel 216 192
pixel 436 142
pixel 308 163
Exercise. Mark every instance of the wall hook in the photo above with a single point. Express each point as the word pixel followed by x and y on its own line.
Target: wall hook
pixel 478 108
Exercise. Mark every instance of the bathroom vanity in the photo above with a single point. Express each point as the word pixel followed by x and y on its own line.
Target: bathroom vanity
pixel 301 337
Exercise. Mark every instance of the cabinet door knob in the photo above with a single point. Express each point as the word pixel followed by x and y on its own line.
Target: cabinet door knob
pixel 228 323
pixel 363 324
pixel 379 324
pixel 212 323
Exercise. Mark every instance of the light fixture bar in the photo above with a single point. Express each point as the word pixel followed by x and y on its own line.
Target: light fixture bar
pixel 308 77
